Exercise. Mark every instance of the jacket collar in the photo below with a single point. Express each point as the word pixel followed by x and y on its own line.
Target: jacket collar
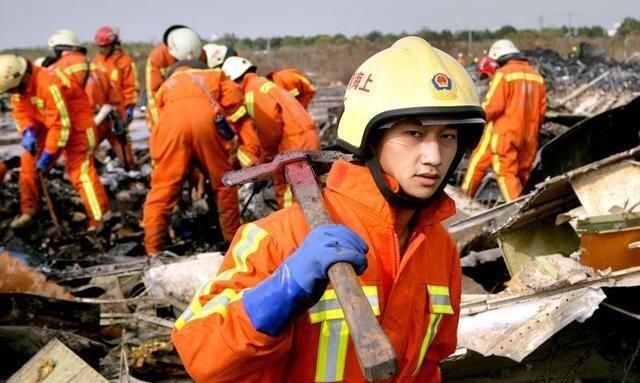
pixel 355 182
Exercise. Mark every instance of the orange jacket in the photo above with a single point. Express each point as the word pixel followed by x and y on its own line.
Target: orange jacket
pixel 54 102
pixel 102 90
pixel 158 65
pixel 122 70
pixel 296 83
pixel 282 123
pixel 227 95
pixel 515 103
pixel 415 295
pixel 75 65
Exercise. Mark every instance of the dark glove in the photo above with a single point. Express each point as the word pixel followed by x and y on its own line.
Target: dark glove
pixel 128 112
pixel 299 282
pixel 29 140
pixel 44 162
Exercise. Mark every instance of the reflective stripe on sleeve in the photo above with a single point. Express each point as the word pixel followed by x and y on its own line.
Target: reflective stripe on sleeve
pixel 241 111
pixel 294 92
pixel 244 159
pixel 266 87
pixel 524 76
pixel 65 122
pixel 249 101
pixel 492 89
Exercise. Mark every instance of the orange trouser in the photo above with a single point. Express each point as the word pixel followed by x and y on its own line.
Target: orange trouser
pixel 184 135
pixel 104 132
pixel 81 170
pixel 511 165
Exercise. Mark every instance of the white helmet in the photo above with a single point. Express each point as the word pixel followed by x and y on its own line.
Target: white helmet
pixel 215 54
pixel 12 70
pixel 39 61
pixel 502 48
pixel 235 67
pixel 64 37
pixel 184 44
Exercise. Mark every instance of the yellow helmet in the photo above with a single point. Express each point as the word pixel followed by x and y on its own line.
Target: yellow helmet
pixel 64 37
pixel 409 79
pixel 12 70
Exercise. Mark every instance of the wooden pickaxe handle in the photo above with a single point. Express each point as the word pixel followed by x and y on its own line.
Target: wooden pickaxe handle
pixel 49 201
pixel 374 350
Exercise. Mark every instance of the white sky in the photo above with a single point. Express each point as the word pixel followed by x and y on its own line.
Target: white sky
pixel 27 23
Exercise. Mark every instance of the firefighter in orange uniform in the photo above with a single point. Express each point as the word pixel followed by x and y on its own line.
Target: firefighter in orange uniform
pixel 158 64
pixel 200 111
pixel 70 56
pixel 296 83
pixel 282 123
pixel 270 314
pixel 53 116
pixel 122 75
pixel 515 105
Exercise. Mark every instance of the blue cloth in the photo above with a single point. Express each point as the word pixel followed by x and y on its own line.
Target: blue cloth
pixel 29 140
pixel 44 162
pixel 129 114
pixel 299 282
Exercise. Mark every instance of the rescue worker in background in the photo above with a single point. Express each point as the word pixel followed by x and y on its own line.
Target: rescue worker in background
pixel 461 60
pixel 71 57
pixel 281 121
pixel 269 315
pixel 217 54
pixel 296 83
pixel 515 105
pixel 121 71
pixel 53 116
pixel 158 64
pixel 486 67
pixel 200 110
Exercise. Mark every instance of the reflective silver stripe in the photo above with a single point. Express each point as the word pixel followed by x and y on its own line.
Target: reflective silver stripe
pixel 332 351
pixel 440 300
pixel 328 308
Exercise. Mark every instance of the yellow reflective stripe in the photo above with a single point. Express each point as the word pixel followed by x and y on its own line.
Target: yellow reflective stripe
pixel 524 76
pixel 266 87
pixel 495 161
pixel 328 307
pixel 164 72
pixel 303 79
pixel 294 92
pixel 39 103
pixel 432 329
pixel 492 88
pixel 85 180
pixel 241 111
pixel 332 351
pixel 477 156
pixel 136 83
pixel 65 122
pixel 244 159
pixel 63 77
pixel 76 68
pixel 249 242
pixel 114 75
pixel 287 197
pixel 249 101
pixel 438 290
pixel 151 102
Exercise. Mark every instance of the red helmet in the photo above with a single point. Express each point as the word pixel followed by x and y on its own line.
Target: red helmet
pixel 105 36
pixel 487 67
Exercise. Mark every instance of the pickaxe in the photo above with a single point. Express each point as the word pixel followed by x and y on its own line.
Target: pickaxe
pixel 373 348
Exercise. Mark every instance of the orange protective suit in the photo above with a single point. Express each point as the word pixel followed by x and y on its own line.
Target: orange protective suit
pixel 102 90
pixel 415 296
pixel 296 83
pixel 75 65
pixel 186 134
pixel 515 105
pixel 122 70
pixel 158 65
pixel 282 123
pixel 57 107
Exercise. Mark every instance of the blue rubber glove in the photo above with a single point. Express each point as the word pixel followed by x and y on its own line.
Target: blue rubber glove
pixel 129 114
pixel 44 162
pixel 299 282
pixel 29 140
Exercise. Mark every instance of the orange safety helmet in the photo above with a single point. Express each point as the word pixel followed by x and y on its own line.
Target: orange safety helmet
pixel 487 67
pixel 105 36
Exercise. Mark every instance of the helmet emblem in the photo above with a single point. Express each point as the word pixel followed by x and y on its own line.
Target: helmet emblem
pixel 441 81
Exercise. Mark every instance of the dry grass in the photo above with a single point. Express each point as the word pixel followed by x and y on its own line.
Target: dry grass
pixel 327 63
